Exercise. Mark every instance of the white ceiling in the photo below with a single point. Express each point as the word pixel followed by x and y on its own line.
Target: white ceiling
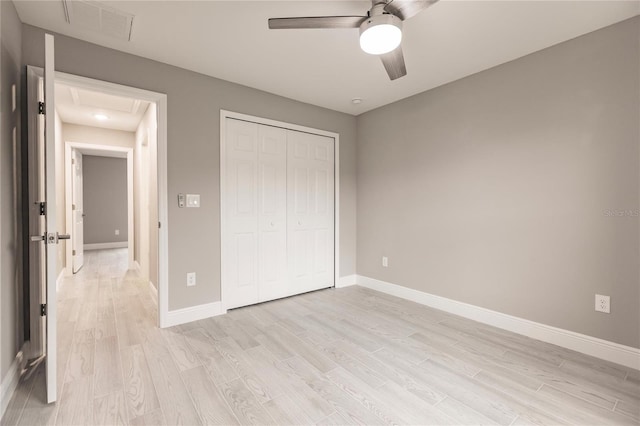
pixel 79 106
pixel 230 40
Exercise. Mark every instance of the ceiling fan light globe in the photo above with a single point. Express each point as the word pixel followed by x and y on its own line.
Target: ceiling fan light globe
pixel 380 34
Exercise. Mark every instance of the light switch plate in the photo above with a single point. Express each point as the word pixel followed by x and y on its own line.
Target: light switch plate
pixel 193 200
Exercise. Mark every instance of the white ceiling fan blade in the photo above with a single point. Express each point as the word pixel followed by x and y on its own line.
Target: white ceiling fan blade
pixel 316 22
pixel 405 9
pixel 394 63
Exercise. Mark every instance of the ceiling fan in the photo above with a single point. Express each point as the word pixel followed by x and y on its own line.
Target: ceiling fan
pixel 380 30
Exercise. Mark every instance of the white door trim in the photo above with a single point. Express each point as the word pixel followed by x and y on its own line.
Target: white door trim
pixel 104 151
pixel 224 114
pixel 160 100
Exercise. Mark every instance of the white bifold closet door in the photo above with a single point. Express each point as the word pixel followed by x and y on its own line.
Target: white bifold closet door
pixel 278 237
pixel 310 213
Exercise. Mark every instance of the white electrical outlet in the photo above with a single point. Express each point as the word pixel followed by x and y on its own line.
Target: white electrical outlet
pixel 385 261
pixel 191 279
pixel 117 232
pixel 603 304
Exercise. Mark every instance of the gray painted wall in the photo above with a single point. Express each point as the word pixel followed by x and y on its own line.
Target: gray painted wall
pixel 495 190
pixel 105 199
pixel 10 247
pixel 194 103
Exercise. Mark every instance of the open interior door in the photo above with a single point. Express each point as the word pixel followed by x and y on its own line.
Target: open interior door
pixel 77 206
pixel 43 268
pixel 51 237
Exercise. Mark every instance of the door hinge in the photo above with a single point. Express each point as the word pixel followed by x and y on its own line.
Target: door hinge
pixel 43 208
pixel 73 206
pixel 159 225
pixel 41 109
pixel 73 161
pixel 43 310
pixel 73 252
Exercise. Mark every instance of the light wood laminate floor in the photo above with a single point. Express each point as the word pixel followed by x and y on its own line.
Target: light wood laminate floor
pixel 336 356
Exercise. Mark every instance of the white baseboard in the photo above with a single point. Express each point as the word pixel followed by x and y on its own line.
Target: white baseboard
pixel 10 381
pixel 102 246
pixel 194 313
pixel 603 349
pixel 346 281
pixel 153 291
pixel 61 276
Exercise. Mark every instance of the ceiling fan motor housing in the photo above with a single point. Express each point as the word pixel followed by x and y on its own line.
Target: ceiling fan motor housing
pixel 380 34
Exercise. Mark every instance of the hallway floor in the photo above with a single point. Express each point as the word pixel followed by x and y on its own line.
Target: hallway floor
pixel 336 356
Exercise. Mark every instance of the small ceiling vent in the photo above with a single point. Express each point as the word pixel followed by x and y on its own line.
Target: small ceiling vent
pixel 99 17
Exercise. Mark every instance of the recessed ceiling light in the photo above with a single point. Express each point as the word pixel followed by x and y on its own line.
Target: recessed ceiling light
pixel 100 117
pixel 356 101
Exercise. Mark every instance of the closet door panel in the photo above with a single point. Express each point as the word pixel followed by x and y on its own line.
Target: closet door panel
pixel 272 214
pixel 310 211
pixel 240 255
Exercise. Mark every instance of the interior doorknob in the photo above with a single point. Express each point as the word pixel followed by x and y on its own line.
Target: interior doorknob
pixel 37 238
pixel 64 237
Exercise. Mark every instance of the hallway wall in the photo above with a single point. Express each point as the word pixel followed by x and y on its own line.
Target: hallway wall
pixel 11 313
pixel 105 199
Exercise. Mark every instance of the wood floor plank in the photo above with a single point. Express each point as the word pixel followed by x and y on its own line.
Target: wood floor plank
pixel 341 402
pixel 496 406
pixel 590 413
pixel 108 368
pixel 236 357
pixel 550 409
pixel 76 403
pixel 409 376
pixel 492 395
pixel 110 410
pixel 629 409
pixel 411 408
pixel 176 404
pixel 349 363
pixel 216 365
pixel 365 395
pixel 82 356
pixel 310 402
pixel 284 411
pixel 139 391
pixel 244 404
pixel 481 361
pixel 213 329
pixel 335 419
pixel 462 414
pixel 155 418
pixel 559 379
pixel 301 348
pixel 182 354
pixel 273 345
pixel 207 398
pixel 127 329
pixel 106 328
pixel 230 328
